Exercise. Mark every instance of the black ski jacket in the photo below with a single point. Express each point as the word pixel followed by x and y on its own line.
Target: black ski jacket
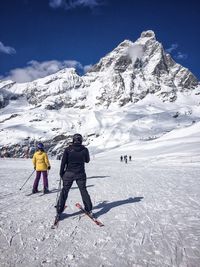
pixel 73 160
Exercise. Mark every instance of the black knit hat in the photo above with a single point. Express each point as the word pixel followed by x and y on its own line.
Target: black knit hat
pixel 77 139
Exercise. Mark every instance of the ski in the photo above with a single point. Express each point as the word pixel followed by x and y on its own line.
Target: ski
pixel 96 221
pixel 43 194
pixel 28 195
pixel 56 220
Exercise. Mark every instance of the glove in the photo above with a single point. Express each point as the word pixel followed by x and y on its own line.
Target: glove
pixel 34 168
pixel 49 167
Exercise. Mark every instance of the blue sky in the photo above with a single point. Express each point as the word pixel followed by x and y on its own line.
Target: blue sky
pixel 39 37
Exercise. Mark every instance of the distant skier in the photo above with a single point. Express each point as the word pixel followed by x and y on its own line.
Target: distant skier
pixel 58 157
pixel 41 165
pixel 73 168
pixel 121 158
pixel 130 158
pixel 125 158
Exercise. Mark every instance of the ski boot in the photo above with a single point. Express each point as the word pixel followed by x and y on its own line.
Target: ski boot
pixel 34 191
pixel 46 190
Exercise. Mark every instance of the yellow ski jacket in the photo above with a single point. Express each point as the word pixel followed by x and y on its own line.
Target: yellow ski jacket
pixel 40 161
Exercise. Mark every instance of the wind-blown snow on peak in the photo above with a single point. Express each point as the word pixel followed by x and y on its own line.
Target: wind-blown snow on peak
pixel 118 57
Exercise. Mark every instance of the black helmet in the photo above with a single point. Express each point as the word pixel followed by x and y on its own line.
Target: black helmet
pixel 40 146
pixel 77 139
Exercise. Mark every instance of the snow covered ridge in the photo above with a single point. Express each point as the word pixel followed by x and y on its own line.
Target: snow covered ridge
pixel 137 92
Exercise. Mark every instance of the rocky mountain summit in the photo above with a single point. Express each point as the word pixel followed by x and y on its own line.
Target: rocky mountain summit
pixel 127 74
pixel 130 73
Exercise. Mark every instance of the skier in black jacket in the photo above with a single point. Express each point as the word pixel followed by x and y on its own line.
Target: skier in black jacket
pixel 73 168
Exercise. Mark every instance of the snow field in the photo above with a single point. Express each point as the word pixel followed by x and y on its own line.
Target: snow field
pixel 150 210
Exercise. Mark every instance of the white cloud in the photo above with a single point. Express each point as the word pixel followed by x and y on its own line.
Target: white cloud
pixel 86 68
pixel 56 3
pixel 181 56
pixel 35 69
pixel 7 49
pixel 172 48
pixel 135 51
pixel 177 54
pixel 71 4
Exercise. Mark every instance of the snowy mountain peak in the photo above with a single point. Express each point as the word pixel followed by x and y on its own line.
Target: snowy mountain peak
pixel 148 34
pixel 61 74
pixel 127 74
pixel 136 69
pixel 124 44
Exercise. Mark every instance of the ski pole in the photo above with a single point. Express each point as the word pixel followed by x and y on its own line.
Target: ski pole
pixel 59 187
pixel 27 180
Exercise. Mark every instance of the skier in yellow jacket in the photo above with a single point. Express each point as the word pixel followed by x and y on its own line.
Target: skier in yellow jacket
pixel 41 165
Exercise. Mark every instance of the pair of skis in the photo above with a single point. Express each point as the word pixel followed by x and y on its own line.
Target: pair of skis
pixel 96 221
pixel 78 205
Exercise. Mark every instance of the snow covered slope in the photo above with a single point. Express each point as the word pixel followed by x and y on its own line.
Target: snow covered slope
pixel 135 93
pixel 150 209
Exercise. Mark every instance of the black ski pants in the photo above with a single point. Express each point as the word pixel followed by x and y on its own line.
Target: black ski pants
pixel 67 184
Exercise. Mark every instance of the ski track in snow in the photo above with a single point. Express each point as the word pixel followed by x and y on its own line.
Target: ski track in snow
pixel 151 214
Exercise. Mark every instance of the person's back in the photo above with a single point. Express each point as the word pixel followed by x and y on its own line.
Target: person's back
pixel 41 165
pixel 74 159
pixel 40 160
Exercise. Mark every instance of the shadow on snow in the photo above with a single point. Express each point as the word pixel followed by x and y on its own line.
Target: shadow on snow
pixel 99 176
pixel 106 206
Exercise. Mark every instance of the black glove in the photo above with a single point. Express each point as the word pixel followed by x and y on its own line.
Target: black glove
pixel 34 168
pixel 49 167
